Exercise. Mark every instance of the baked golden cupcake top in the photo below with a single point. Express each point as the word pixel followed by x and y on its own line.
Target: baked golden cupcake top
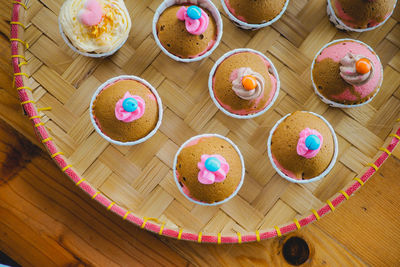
pixel 183 37
pixel 198 173
pixel 126 110
pixel 229 83
pixel 255 12
pixel 302 145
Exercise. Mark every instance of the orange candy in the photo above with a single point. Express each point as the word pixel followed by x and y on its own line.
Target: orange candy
pixel 363 66
pixel 249 82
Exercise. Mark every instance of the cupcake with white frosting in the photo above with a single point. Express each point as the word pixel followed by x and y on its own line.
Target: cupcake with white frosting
pixel 94 28
pixel 244 83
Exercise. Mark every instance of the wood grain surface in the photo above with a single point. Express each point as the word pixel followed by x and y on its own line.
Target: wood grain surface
pixel 47 221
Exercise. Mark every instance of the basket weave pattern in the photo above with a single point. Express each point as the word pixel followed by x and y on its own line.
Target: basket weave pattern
pixel 137 182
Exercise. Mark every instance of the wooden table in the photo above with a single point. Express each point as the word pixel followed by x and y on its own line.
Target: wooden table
pixel 46 220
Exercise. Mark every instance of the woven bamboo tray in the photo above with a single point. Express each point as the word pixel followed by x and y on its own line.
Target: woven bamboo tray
pixel 55 86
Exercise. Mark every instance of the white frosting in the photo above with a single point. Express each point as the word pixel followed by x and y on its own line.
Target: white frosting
pixel 349 72
pixel 112 31
pixel 240 91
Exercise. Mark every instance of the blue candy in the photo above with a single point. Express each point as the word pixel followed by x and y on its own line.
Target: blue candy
pixel 212 164
pixel 313 142
pixel 194 12
pixel 130 104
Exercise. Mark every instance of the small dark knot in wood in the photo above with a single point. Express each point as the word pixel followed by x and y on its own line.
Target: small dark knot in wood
pixel 295 251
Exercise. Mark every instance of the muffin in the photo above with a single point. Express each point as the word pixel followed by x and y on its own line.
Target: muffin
pixel 302 147
pixel 346 73
pixel 254 14
pixel 126 110
pixel 209 169
pixel 244 83
pixel 187 32
pixel 94 27
pixel 360 15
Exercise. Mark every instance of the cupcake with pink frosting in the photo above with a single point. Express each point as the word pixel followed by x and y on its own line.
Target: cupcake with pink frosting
pixel 126 110
pixel 346 73
pixel 302 147
pixel 360 15
pixel 244 83
pixel 209 169
pixel 187 30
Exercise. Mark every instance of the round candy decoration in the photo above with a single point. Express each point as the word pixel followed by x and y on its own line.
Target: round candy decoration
pixel 212 164
pixel 313 142
pixel 194 12
pixel 249 82
pixel 130 104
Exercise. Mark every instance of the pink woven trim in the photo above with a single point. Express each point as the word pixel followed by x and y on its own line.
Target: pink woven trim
pixel 42 134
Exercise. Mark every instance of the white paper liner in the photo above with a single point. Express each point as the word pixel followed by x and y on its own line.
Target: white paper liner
pixel 127 77
pixel 206 4
pixel 241 160
pixel 249 26
pixel 333 103
pixel 86 54
pixel 342 26
pixel 314 179
pixel 214 68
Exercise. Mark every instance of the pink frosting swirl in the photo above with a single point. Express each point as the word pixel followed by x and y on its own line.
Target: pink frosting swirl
pixel 193 26
pixel 348 70
pixel 209 177
pixel 126 116
pixel 302 149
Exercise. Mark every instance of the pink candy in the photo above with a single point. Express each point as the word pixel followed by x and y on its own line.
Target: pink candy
pixel 193 26
pixel 91 13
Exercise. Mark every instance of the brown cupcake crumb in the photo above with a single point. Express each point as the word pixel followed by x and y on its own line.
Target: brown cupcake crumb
pixel 188 171
pixel 177 40
pixel 104 111
pixel 257 11
pixel 284 145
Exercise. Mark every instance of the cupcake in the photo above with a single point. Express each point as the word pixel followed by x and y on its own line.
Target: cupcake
pixel 243 83
pixel 302 147
pixel 94 28
pixel 209 169
pixel 254 14
pixel 359 15
pixel 126 110
pixel 187 32
pixel 346 73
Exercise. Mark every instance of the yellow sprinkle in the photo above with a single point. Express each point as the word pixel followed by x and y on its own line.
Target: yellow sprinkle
pixel 144 222
pixel 199 237
pixel 359 180
pixel 24 87
pixel 219 238
pixel 239 235
pixel 38 124
pixel 278 231
pixel 161 229
pixel 35 117
pixel 44 109
pixel 344 194
pixel 27 102
pixel 95 195
pixel 297 223
pixel 395 136
pixel 330 205
pixel 315 214
pixel 126 215
pixel 258 236
pixel 66 168
pixel 385 150
pixel 110 206
pixel 373 166
pixel 180 233
pixel 80 181
pixel 47 140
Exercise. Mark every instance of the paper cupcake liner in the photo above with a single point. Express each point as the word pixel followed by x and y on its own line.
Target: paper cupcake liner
pixel 206 4
pixel 127 77
pixel 314 179
pixel 212 73
pixel 333 103
pixel 249 26
pixel 342 26
pixel 241 160
pixel 86 54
